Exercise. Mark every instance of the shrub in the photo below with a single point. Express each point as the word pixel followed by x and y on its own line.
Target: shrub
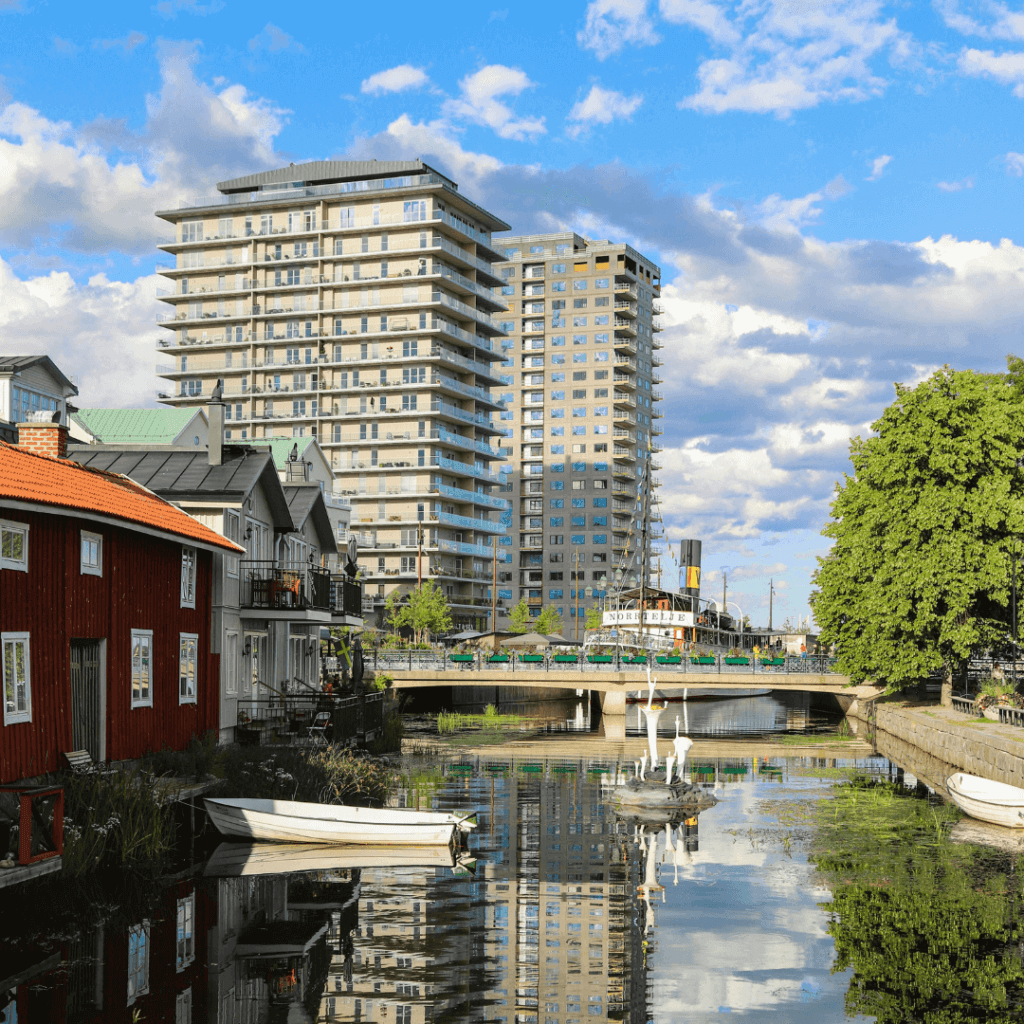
pixel 195 762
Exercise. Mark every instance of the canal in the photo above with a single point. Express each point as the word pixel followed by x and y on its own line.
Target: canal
pixel 817 888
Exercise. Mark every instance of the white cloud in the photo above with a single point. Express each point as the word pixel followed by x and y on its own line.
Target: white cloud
pixel 129 43
pixel 274 40
pixel 1014 164
pixel 989 20
pixel 480 103
pixel 59 185
pixel 396 79
pixel 601 106
pixel 784 57
pixel 1005 68
pixel 878 165
pixel 612 24
pixel 954 186
pixel 169 9
pixel 102 331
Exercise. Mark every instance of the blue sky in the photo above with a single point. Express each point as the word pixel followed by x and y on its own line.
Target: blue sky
pixel 832 190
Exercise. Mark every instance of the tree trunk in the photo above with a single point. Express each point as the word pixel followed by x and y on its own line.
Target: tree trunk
pixel 947 686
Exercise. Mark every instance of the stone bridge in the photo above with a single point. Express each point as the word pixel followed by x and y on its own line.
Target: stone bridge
pixel 612 687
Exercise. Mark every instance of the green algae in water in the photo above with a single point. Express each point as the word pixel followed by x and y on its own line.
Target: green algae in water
pixel 926 924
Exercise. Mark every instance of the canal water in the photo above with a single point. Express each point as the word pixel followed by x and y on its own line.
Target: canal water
pixel 815 889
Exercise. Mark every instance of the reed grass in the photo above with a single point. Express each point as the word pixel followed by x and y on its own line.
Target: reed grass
pixel 449 722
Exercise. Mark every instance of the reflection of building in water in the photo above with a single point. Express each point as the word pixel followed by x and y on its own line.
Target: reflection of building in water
pixel 411 951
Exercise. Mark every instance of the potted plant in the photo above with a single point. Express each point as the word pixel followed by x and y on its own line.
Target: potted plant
pixel 675 658
pixel 736 657
pixel 602 656
pixel 636 658
pixel 531 657
pixel 498 656
pixel 565 658
pixel 702 658
pixel 769 659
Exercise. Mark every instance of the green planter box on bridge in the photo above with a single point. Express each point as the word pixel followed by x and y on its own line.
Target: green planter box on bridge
pixel 773 661
pixel 461 657
pixel 737 661
pixel 531 657
pixel 702 661
pixel 662 659
pixel 636 659
pixel 563 659
pixel 599 659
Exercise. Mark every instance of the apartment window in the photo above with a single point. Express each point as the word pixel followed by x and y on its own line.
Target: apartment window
pixel 601 428
pixel 192 231
pixel 142 668
pixel 579 449
pixel 92 554
pixel 557 521
pixel 558 485
pixel 579 411
pixel 600 357
pixel 14 546
pixel 555 539
pixel 188 653
pixel 186 922
pixel 231 663
pixel 558 449
pixel 600 521
pixel 579 431
pixel 600 485
pixel 17 673
pixel 578 520
pixel 138 961
pixel 600 502
pixel 579 286
pixel 600 339
pixel 557 503
pixel 188 577
pixel 415 210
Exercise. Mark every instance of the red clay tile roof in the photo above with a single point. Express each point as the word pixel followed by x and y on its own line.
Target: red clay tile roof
pixel 25 476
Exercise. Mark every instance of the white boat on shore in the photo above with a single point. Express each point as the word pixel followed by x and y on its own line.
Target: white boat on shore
pixel 288 821
pixel 995 802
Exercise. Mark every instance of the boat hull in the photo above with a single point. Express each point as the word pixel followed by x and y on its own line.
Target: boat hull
pixel 286 821
pixel 233 860
pixel 994 802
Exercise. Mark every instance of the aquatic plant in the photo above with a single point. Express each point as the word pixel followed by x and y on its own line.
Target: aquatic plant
pixel 196 761
pixel 455 721
pixel 116 819
pixel 924 923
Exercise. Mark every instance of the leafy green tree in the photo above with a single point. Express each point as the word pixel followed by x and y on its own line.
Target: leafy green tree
pixel 594 617
pixel 918 577
pixel 424 609
pixel 549 621
pixel 520 621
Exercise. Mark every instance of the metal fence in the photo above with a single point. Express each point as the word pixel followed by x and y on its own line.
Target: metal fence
pixel 443 661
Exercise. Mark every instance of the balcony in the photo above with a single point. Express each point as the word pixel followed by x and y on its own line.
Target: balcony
pixel 621 360
pixel 621 416
pixel 625 380
pixel 624 398
pixel 346 597
pixel 623 286
pixel 627 345
pixel 625 308
pixel 625 326
pixel 284 586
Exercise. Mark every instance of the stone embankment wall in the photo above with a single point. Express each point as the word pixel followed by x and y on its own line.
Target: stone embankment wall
pixel 935 740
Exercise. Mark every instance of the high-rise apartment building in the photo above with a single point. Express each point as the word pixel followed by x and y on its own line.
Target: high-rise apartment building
pixel 351 301
pixel 581 411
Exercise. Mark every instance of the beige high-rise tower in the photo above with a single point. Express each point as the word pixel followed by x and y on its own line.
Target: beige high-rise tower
pixel 581 415
pixel 352 301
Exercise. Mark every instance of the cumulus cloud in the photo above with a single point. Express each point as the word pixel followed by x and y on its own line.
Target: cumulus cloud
pixel 878 165
pixel 479 102
pixel 987 19
pixel 1014 163
pixel 612 24
pixel 396 79
pixel 274 40
pixel 601 106
pixel 777 58
pixel 955 186
pixel 1005 68
pixel 60 185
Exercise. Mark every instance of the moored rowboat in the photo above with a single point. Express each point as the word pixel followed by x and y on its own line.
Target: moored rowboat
pixel 995 802
pixel 288 821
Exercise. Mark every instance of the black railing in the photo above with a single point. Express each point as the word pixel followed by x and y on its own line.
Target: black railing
pixel 282 586
pixel 346 596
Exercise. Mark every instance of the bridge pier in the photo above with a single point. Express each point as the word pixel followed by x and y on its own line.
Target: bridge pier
pixel 613 703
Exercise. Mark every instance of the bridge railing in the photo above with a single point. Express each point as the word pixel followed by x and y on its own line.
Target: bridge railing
pixel 512 661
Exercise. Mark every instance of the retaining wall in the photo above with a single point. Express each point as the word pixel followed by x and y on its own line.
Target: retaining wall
pixel 932 740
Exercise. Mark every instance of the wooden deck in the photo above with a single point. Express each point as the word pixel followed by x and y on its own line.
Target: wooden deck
pixel 28 872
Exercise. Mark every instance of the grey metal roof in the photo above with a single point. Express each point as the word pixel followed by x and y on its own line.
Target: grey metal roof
pixel 15 364
pixel 320 171
pixel 180 475
pixel 306 500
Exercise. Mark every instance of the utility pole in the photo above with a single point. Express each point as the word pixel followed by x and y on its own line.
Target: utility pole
pixel 725 591
pixel 494 594
pixel 576 580
pixel 771 594
pixel 419 557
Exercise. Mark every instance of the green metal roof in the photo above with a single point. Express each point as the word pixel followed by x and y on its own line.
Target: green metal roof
pixel 281 447
pixel 134 426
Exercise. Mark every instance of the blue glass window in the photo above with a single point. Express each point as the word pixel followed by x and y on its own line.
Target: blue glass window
pixel 558 431
pixel 506 414
pixel 558 502
pixel 579 339
pixel 558 286
pixel 601 428
pixel 558 449
pixel 600 357
pixel 557 268
pixel 558 485
pixel 507 325
pixel 506 396
pixel 557 520
pixel 600 410
pixel 600 538
pixel 600 521
pixel 558 378
pixel 505 595
pixel 581 357
pixel 600 339
pixel 558 358
pixel 579 520
pixel 600 503
pixel 601 282
pixel 557 467
pixel 579 502
pixel 579 431
pixel 558 414
pixel 555 592
pixel 507 289
pixel 558 396
pixel 601 467
pixel 509 254
pixel 577 538
pixel 558 340
pixel 601 321
pixel 536 248
pixel 579 321
pixel 579 286
pixel 579 411
pixel 506 378
pixel 579 467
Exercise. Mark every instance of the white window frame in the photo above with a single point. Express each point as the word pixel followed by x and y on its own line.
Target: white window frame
pixel 185 933
pixel 87 568
pixel 188 650
pixel 138 967
pixel 231 649
pixel 183 1007
pixel 18 564
pixel 232 530
pixel 188 577
pixel 147 700
pixel 11 715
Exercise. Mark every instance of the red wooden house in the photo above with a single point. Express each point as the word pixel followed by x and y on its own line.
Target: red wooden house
pixel 105 612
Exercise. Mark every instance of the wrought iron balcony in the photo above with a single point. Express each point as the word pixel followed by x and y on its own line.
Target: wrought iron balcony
pixel 284 586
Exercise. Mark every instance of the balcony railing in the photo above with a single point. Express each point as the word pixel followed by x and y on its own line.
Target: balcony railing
pixel 346 596
pixel 285 586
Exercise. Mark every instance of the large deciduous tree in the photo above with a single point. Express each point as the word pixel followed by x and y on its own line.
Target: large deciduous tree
pixel 918 577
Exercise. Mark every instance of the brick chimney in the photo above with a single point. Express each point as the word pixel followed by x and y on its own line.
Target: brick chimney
pixel 215 416
pixel 43 437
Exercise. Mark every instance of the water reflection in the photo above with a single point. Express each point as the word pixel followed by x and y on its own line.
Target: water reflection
pixel 779 711
pixel 560 912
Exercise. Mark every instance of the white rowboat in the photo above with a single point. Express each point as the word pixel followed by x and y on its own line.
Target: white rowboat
pixel 995 802
pixel 287 821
